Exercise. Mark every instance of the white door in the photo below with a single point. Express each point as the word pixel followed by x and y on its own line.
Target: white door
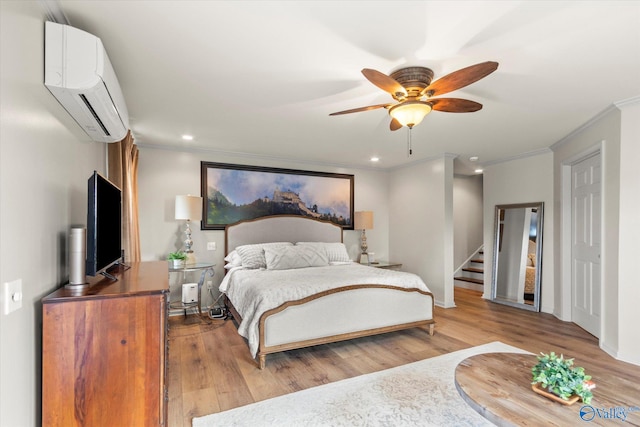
pixel 585 250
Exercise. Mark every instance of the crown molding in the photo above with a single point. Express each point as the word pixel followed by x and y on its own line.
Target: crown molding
pixel 628 101
pixel 582 127
pixel 241 154
pixel 615 106
pixel 54 11
pixel 524 155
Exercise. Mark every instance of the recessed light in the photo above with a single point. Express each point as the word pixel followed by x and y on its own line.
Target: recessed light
pixel 478 171
pixel 473 158
pixel 187 137
pixel 375 159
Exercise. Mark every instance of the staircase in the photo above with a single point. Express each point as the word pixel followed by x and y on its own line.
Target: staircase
pixel 471 276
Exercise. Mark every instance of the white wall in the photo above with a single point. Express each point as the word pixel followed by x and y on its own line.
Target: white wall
pixel 603 134
pixel 615 133
pixel 421 224
pixel 524 180
pixel 629 290
pixel 467 217
pixel 163 174
pixel 45 161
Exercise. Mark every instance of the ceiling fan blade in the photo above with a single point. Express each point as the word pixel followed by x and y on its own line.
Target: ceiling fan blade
pixel 357 110
pixel 394 125
pixel 461 78
pixel 455 105
pixel 384 82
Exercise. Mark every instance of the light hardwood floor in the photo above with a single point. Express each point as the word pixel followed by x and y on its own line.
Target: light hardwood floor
pixel 211 370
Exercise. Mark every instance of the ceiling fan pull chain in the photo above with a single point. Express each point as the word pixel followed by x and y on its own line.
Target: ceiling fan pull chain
pixel 409 144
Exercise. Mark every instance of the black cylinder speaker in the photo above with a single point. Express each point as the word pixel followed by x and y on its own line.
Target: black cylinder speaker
pixel 77 256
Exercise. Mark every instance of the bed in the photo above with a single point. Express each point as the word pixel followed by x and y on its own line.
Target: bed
pixel 289 286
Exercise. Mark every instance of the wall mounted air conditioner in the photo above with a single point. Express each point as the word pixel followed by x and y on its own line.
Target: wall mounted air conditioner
pixel 78 73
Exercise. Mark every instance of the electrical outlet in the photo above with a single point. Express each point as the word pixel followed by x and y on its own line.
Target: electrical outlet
pixel 209 284
pixel 12 296
pixel 211 246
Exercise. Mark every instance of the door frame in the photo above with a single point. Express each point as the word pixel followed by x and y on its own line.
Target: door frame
pixel 566 292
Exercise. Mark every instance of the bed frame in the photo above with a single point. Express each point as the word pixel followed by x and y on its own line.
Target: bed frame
pixel 330 316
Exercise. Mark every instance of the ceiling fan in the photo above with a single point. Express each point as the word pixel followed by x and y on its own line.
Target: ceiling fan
pixel 412 88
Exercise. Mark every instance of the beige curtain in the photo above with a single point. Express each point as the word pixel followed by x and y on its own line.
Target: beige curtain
pixel 123 172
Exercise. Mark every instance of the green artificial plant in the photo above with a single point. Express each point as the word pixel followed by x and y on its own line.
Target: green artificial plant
pixel 177 256
pixel 558 375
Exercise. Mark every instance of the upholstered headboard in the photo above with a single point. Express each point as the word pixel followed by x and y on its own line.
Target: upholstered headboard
pixel 280 228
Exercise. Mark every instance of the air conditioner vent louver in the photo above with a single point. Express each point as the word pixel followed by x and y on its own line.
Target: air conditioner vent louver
pixel 95 116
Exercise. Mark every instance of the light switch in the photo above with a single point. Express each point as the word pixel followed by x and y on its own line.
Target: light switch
pixel 12 296
pixel 211 246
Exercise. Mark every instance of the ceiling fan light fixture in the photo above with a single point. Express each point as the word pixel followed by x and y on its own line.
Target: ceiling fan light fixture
pixel 410 113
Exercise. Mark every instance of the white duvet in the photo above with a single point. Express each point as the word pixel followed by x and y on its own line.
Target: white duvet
pixel 253 292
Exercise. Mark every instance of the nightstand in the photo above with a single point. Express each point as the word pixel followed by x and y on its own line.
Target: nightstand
pixel 390 265
pixel 204 268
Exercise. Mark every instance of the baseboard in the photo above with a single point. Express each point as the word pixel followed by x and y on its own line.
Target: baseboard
pixel 180 311
pixel 467 285
pixel 634 360
pixel 548 310
pixel 620 355
pixel 613 352
pixel 443 305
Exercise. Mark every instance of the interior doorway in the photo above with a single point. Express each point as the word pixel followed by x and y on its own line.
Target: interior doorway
pixel 586 226
pixel 468 237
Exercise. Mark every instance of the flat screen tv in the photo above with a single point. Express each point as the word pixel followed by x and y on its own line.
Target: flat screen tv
pixel 104 224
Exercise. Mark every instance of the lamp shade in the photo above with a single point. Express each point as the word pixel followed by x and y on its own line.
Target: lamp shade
pixel 363 220
pixel 410 113
pixel 189 207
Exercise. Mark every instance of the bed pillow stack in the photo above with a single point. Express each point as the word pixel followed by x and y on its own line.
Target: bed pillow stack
pixel 252 256
pixel 284 255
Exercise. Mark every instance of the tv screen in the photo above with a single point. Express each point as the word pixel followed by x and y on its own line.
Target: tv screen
pixel 104 224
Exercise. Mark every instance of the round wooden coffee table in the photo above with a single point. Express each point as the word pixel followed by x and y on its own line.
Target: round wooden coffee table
pixel 498 387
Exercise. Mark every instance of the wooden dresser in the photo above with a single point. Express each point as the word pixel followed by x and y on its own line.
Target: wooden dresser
pixel 104 350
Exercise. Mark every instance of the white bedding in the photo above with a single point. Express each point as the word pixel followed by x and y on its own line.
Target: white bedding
pixel 254 291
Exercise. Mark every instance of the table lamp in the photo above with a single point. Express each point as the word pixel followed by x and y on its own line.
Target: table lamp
pixel 189 208
pixel 363 221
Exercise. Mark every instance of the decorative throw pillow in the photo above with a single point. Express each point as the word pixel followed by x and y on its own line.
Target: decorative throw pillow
pixel 233 260
pixel 336 251
pixel 289 257
pixel 252 256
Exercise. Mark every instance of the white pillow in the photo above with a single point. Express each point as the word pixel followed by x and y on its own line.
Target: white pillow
pixel 252 256
pixel 289 257
pixel 233 260
pixel 336 251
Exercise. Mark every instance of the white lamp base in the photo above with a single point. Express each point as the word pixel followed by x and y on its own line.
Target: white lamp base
pixel 363 258
pixel 191 258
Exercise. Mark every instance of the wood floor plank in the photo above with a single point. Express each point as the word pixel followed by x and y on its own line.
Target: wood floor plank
pixel 226 376
pixel 225 371
pixel 195 372
pixel 197 403
pixel 336 370
pixel 259 382
pixel 176 418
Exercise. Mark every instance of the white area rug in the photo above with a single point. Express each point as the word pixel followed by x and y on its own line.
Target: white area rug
pixel 418 394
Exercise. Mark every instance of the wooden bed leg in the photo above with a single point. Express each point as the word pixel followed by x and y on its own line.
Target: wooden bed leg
pixel 262 361
pixel 431 329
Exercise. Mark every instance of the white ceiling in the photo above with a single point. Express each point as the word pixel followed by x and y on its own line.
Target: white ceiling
pixel 261 77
